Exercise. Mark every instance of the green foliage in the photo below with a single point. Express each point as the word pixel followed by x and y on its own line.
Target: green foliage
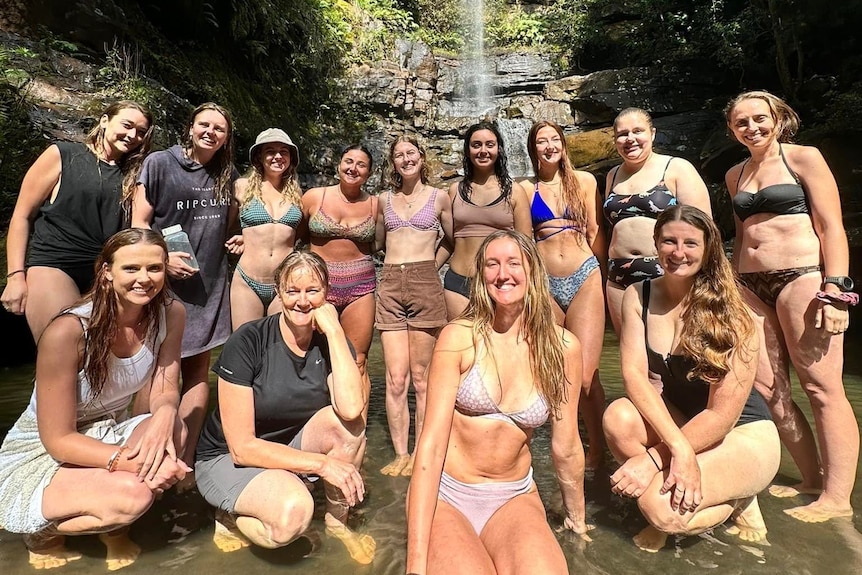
pixel 508 25
pixel 20 143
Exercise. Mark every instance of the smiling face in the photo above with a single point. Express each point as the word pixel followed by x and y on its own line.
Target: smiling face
pixel 123 133
pixel 633 137
pixel 301 292
pixel 681 248
pixel 137 272
pixel 483 149
pixel 355 167
pixel 407 159
pixel 505 272
pixel 751 122
pixel 275 158
pixel 209 132
pixel 549 146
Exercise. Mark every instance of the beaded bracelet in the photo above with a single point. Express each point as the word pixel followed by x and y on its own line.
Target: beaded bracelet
pixel 847 297
pixel 114 461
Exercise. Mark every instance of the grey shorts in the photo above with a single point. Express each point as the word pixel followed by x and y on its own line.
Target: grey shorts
pixel 221 482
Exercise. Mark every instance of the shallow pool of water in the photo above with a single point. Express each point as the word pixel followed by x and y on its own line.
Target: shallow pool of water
pixel 176 533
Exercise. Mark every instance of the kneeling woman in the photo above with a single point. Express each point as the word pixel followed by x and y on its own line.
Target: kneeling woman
pixel 497 373
pixel 76 461
pixel 682 450
pixel 290 405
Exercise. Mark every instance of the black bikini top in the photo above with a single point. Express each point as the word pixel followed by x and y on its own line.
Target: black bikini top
pixel 779 199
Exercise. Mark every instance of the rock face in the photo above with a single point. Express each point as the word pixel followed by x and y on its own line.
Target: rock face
pixel 416 91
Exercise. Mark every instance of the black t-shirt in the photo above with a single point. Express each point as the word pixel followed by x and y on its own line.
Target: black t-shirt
pixel 288 389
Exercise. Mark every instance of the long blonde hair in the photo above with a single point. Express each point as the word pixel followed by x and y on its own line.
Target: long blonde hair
pixel 539 330
pixel 288 188
pixel 572 195
pixel 716 322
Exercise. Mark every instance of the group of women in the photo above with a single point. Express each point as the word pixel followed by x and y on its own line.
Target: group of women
pixel 510 338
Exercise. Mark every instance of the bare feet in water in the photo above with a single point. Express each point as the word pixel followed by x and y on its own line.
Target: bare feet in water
pixel 748 522
pixel 360 546
pixel 122 551
pixel 48 551
pixel 650 539
pixel 784 491
pixel 397 466
pixel 227 536
pixel 819 511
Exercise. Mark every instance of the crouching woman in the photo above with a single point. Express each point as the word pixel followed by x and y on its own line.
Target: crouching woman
pixel 699 451
pixel 290 408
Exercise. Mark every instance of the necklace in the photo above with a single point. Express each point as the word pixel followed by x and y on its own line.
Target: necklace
pixel 414 196
pixel 347 200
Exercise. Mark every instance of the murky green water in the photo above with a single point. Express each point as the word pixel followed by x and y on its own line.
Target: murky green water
pixel 176 534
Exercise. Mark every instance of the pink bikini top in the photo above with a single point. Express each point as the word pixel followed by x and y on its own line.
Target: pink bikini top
pixel 424 220
pixel 473 399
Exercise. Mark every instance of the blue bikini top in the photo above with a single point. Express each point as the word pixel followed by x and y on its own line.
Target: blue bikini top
pixel 255 214
pixel 541 213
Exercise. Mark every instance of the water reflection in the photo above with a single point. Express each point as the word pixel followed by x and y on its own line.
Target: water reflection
pixel 176 535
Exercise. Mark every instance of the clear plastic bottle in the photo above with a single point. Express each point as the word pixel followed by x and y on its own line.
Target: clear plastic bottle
pixel 178 241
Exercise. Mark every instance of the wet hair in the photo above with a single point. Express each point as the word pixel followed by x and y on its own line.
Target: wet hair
pixel 130 163
pixel 301 259
pixel 716 322
pixel 362 148
pixel 288 187
pixel 635 112
pixel 102 326
pixel 538 327
pixel 785 118
pixel 571 190
pixel 501 165
pixel 395 179
pixel 220 167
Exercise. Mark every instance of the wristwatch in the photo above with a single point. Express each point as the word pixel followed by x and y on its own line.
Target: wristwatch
pixel 844 283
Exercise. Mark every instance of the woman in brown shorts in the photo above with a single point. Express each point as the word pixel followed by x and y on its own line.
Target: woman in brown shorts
pixel 410 305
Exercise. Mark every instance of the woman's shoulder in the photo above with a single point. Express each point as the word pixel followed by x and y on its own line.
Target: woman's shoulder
pixel 801 155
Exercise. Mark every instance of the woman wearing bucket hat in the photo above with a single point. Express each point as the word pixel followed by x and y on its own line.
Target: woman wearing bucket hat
pixel 270 212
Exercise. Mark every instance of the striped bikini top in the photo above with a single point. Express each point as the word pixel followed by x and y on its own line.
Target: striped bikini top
pixel 255 214
pixel 424 220
pixel 321 225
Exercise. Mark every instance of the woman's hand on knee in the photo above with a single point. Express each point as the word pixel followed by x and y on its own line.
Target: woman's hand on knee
pixel 683 481
pixel 169 473
pixel 634 476
pixel 345 477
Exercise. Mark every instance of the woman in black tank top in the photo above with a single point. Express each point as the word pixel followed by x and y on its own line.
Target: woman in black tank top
pixel 699 451
pixel 73 198
pixel 791 253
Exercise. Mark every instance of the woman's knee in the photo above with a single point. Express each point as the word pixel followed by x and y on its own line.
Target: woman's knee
pixel 125 500
pixel 396 383
pixel 621 420
pixel 292 516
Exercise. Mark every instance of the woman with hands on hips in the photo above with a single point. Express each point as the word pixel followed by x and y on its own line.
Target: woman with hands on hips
pixel 699 451
pixel 290 407
pixel 498 372
pixel 76 461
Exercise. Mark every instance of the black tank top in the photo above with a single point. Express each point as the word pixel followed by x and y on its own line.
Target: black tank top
pixel 691 396
pixel 72 230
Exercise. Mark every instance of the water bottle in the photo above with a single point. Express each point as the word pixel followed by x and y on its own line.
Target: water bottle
pixel 178 241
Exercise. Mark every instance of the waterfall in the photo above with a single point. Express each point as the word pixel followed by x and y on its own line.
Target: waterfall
pixel 476 92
